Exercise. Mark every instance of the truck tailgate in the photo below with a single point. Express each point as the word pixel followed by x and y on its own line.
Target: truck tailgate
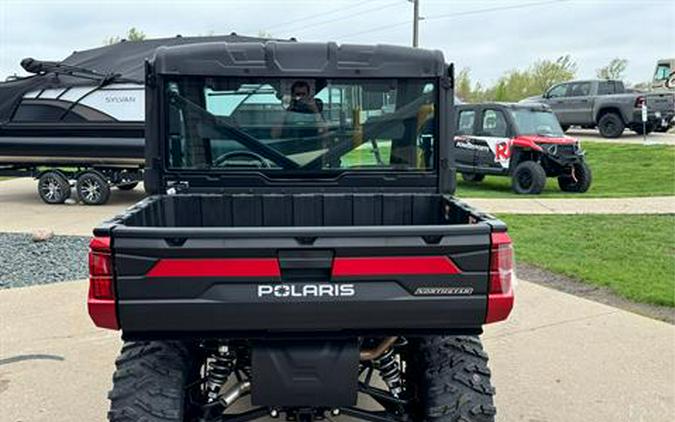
pixel 284 279
pixel 663 102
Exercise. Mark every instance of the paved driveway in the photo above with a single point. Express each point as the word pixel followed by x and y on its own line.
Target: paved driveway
pixel 560 358
pixel 21 210
pixel 534 205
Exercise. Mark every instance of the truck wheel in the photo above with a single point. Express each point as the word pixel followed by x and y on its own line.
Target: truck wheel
pixel 611 125
pixel 53 187
pixel 451 380
pixel 473 177
pixel 92 188
pixel 129 186
pixel 583 175
pixel 528 178
pixel 149 382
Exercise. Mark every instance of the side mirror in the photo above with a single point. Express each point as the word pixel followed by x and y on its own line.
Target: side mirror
pixel 545 95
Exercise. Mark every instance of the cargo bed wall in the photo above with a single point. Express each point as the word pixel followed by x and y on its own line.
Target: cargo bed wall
pixel 287 210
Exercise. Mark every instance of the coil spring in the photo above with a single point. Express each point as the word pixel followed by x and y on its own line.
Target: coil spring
pixel 390 371
pixel 219 370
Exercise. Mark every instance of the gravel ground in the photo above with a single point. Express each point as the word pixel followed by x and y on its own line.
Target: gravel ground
pixel 25 263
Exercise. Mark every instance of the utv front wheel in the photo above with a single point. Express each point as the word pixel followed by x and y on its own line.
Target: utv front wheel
pixel 451 380
pixel 149 383
pixel 529 177
pixel 583 176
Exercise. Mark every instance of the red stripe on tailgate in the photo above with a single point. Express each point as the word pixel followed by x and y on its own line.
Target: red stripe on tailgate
pixel 216 267
pixel 394 265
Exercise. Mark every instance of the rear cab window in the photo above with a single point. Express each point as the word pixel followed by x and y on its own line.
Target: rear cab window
pixel 277 124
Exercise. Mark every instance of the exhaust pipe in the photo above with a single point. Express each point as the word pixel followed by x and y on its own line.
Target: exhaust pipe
pixel 377 351
pixel 234 393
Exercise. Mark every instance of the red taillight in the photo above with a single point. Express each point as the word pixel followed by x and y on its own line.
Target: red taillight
pixel 639 102
pixel 500 296
pixel 101 300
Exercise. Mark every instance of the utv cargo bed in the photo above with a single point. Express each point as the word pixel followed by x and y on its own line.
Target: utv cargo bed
pixel 241 263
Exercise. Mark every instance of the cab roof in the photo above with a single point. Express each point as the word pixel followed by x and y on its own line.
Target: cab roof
pixel 298 59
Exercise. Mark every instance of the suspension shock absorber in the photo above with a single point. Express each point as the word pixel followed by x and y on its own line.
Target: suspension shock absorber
pixel 219 369
pixel 390 371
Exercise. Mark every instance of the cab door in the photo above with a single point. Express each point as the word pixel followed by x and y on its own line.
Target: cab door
pixel 492 145
pixel 578 105
pixel 463 141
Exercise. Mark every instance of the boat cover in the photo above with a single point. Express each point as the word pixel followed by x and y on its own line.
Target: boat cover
pixel 125 59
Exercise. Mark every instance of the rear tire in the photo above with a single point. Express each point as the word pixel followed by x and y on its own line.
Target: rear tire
pixel 473 177
pixel 584 177
pixel 611 125
pixel 529 178
pixel 451 380
pixel 53 187
pixel 149 383
pixel 92 188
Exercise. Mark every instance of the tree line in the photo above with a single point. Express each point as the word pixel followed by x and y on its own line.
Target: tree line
pixel 514 85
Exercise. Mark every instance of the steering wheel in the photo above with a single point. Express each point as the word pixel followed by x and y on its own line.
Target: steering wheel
pixel 250 155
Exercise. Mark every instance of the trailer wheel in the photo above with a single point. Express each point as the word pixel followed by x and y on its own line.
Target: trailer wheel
pixel 473 177
pixel 92 188
pixel 53 187
pixel 583 176
pixel 528 178
pixel 149 382
pixel 451 380
pixel 128 186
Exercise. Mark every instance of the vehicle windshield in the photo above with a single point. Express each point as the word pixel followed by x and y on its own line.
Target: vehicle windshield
pixel 536 122
pixel 304 124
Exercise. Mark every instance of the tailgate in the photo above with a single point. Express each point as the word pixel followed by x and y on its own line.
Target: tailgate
pixel 662 102
pixel 301 279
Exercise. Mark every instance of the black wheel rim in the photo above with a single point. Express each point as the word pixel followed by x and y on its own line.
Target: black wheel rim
pixel 525 179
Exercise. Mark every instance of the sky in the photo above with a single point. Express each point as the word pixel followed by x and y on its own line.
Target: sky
pixel 488 37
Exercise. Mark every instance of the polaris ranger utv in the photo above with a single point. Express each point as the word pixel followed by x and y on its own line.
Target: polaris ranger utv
pixel 521 141
pixel 302 245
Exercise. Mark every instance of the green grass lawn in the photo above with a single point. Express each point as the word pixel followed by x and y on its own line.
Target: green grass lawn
pixel 634 255
pixel 619 170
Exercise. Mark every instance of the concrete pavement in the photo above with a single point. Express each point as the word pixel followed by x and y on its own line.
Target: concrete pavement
pixel 559 358
pixel 22 210
pixel 533 205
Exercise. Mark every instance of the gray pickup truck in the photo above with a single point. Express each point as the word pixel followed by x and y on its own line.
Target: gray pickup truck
pixel 607 105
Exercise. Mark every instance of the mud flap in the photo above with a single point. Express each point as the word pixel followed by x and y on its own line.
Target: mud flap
pixel 305 373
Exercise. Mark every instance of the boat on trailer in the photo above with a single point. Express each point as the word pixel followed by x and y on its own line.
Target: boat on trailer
pixel 80 122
